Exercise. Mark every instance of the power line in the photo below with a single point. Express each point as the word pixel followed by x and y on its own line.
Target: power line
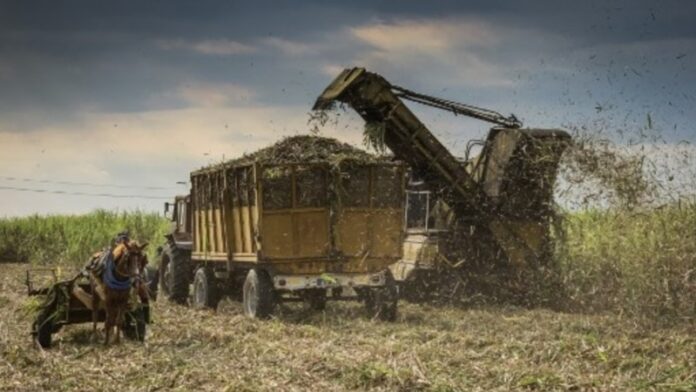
pixel 115 196
pixel 96 185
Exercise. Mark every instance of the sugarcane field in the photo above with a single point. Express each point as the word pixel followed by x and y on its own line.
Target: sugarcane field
pixel 347 196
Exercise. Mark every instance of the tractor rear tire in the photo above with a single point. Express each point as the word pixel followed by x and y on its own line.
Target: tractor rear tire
pixel 259 297
pixel 206 292
pixel 175 274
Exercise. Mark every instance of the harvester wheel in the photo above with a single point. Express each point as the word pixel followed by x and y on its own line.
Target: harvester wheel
pixel 258 296
pixel 206 293
pixel 420 288
pixel 175 271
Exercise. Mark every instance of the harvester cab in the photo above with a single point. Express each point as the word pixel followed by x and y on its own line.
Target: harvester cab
pixel 500 201
pixel 426 229
pixel 178 213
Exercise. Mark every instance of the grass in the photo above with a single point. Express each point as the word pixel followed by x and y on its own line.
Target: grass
pixel 71 239
pixel 638 263
pixel 641 263
pixel 444 348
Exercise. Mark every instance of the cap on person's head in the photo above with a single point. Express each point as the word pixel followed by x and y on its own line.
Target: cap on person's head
pixel 124 235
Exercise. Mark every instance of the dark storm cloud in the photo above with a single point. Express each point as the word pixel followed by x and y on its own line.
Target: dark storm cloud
pixel 197 19
pixel 58 59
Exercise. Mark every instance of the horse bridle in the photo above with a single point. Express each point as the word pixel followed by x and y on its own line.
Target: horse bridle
pixel 127 255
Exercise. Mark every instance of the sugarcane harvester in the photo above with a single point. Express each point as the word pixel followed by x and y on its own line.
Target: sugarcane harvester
pixel 496 207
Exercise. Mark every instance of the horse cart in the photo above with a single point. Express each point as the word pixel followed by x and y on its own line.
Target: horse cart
pixel 70 302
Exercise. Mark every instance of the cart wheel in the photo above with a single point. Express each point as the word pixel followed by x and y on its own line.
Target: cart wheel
pixel 382 302
pixel 316 299
pixel 43 327
pixel 206 293
pixel 258 296
pixel 135 325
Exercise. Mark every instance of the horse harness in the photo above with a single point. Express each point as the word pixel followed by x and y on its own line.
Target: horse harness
pixel 103 267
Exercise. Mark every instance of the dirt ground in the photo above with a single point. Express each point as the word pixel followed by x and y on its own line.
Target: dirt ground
pixel 428 348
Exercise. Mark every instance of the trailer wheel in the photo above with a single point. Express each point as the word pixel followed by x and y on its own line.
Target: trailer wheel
pixel 175 271
pixel 206 293
pixel 382 302
pixel 315 298
pixel 258 295
pixel 42 329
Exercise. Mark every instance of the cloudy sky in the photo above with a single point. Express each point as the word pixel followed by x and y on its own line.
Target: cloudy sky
pixel 139 93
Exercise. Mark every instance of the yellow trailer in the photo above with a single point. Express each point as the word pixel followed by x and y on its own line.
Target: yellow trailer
pixel 296 231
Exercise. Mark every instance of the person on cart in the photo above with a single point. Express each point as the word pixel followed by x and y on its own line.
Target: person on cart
pixel 97 262
pixel 122 237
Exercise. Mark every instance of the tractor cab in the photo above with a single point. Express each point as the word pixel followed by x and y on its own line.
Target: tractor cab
pixel 179 213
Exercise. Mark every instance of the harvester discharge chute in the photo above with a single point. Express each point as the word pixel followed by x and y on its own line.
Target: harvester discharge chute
pixel 501 200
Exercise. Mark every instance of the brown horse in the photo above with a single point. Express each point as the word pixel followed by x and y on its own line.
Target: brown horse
pixel 113 284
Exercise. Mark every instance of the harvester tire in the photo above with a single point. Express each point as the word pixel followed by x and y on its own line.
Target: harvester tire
pixel 258 295
pixel 175 274
pixel 206 293
pixel 420 288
